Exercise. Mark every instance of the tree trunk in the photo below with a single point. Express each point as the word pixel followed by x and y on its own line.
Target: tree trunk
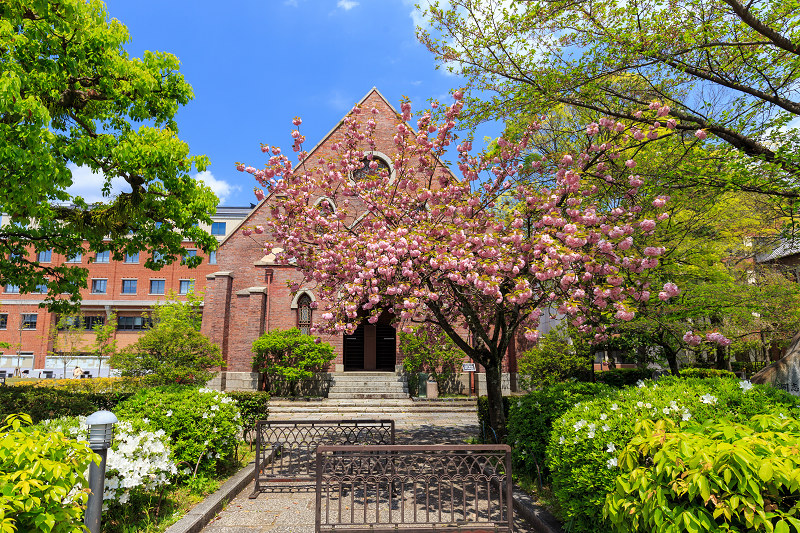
pixel 723 359
pixel 672 359
pixel 494 393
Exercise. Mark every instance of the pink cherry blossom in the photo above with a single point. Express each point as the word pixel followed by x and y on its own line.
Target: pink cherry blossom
pixel 700 134
pixel 691 339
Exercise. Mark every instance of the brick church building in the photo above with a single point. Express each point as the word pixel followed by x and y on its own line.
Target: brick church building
pixel 249 294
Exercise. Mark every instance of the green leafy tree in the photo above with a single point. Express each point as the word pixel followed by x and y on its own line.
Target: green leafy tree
pixel 71 96
pixel 556 358
pixel 290 355
pixel 38 471
pixel 105 345
pixel 428 349
pixel 720 68
pixel 67 334
pixel 173 350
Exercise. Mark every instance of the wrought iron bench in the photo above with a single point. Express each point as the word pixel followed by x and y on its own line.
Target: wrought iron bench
pixel 414 489
pixel 285 449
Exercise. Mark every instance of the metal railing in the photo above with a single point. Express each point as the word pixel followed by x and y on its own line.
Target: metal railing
pixel 285 449
pixel 414 489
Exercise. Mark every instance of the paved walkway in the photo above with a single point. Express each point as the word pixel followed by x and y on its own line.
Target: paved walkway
pixel 290 508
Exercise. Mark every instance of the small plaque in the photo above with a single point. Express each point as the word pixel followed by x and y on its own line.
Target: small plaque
pixel 468 367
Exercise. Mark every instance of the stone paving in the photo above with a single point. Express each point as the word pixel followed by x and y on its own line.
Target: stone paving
pixel 290 508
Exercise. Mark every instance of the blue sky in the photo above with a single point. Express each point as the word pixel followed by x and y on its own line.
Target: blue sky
pixel 254 65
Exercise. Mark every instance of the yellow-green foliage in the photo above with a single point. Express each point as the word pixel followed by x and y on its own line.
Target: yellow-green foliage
pixel 116 384
pixel 38 472
pixel 709 477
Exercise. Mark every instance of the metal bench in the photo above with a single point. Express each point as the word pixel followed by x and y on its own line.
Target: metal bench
pixel 285 449
pixel 414 489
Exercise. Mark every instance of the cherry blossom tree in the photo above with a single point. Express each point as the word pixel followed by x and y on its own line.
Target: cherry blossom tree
pixel 482 256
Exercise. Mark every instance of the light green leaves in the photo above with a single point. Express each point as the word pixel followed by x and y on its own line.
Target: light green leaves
pixel 71 95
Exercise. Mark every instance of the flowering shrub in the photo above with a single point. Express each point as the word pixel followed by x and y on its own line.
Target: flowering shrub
pixel 582 454
pixel 138 461
pixel 709 477
pixel 530 420
pixel 39 474
pixel 201 424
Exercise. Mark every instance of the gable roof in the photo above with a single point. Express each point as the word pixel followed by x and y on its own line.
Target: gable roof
pixel 325 138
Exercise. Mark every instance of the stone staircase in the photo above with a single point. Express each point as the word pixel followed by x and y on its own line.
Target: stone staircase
pixel 406 413
pixel 368 385
pixel 376 395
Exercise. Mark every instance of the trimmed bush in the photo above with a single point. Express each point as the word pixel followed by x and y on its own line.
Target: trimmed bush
pixel 94 385
pixel 202 424
pixel 623 377
pixel 585 441
pixel 290 357
pixel 706 373
pixel 709 477
pixel 253 406
pixel 530 420
pixel 44 403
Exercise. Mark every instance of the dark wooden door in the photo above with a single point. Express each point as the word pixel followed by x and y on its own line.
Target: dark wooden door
pixel 385 347
pixel 354 350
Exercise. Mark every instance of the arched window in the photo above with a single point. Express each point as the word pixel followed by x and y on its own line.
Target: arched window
pixel 304 314
pixel 367 172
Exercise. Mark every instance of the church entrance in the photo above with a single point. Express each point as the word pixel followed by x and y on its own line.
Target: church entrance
pixel 371 347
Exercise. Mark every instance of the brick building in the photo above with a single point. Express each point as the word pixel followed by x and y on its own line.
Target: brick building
pixel 125 287
pixel 249 293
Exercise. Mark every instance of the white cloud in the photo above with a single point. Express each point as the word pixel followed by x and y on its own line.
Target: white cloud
pixel 89 185
pixel 347 5
pixel 221 188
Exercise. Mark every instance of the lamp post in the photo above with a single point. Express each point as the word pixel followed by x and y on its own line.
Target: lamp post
pixel 101 430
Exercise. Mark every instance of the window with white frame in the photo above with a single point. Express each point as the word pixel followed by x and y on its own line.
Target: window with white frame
pixel 157 286
pixel 29 321
pixel 99 286
pixel 186 286
pixel 129 286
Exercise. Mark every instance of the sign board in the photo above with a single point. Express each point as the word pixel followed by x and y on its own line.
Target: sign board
pixel 468 367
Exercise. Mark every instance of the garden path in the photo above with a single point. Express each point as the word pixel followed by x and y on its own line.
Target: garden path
pixel 290 508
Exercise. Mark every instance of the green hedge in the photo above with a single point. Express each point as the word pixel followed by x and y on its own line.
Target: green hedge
pixel 531 418
pixel 706 373
pixel 586 441
pixel 43 403
pixel 623 377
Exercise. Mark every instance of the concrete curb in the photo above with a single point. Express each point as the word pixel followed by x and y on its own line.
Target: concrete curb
pixel 538 516
pixel 202 513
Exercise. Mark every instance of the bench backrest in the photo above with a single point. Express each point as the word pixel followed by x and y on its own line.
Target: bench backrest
pixel 420 488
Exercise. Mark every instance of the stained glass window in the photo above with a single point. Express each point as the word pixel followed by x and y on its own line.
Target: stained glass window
pixel 366 172
pixel 304 314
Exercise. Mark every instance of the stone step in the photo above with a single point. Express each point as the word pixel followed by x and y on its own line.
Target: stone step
pixel 367 395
